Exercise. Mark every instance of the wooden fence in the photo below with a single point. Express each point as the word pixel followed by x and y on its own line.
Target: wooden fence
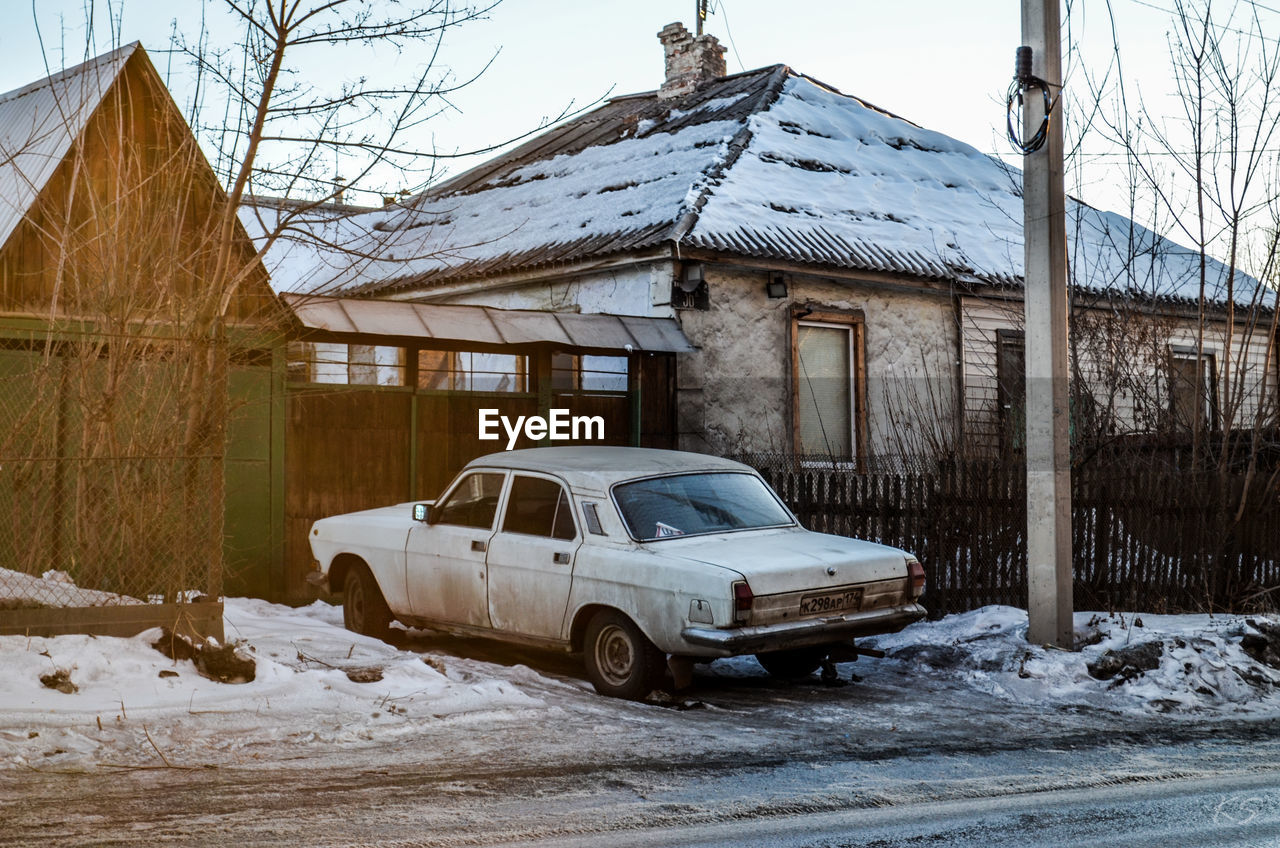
pixel 1142 539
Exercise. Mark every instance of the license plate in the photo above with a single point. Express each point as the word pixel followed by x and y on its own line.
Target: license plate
pixel 849 599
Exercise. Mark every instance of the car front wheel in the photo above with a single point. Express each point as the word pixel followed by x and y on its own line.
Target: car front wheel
pixel 621 661
pixel 364 610
pixel 794 663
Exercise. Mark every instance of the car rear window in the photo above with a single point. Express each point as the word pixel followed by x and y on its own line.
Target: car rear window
pixel 693 504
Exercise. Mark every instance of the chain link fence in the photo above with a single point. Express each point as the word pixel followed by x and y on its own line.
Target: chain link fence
pixel 100 505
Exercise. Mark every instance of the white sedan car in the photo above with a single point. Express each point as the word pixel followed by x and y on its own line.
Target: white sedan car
pixel 637 558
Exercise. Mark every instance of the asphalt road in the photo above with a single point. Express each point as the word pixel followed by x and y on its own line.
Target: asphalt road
pixel 755 762
pixel 1218 788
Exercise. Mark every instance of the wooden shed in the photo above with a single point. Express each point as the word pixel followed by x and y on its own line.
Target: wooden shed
pixel 108 234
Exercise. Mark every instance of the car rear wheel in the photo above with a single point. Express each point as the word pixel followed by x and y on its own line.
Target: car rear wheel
pixel 364 610
pixel 621 661
pixel 794 663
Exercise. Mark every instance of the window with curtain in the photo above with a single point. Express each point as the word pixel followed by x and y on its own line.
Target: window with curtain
pixel 825 388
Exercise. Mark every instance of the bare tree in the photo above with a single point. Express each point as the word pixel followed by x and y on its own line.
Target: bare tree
pixel 141 241
pixel 1206 175
pixel 100 472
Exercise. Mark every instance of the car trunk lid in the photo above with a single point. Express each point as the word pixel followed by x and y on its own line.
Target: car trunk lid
pixel 792 559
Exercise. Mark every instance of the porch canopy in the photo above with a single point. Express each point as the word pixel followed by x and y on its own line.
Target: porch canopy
pixel 453 324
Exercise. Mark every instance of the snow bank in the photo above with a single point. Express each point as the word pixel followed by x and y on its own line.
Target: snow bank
pixel 133 707
pixel 125 712
pixel 1200 665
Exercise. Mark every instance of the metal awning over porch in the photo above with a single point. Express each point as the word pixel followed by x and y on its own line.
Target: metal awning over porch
pixel 486 325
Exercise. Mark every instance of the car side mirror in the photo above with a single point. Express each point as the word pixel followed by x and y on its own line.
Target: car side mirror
pixel 424 513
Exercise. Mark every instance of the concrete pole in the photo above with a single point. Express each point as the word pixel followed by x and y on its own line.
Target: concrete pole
pixel 1049 604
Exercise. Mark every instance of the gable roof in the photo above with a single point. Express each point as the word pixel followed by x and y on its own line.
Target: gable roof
pixel 769 164
pixel 38 124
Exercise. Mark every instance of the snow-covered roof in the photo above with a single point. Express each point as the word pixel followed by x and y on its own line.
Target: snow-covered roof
pixel 768 164
pixel 38 124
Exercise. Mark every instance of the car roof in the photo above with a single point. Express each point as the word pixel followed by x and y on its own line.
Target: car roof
pixel 599 466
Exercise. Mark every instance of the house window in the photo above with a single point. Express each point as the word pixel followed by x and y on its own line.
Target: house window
pixel 1192 389
pixel 1011 388
pixel 828 394
pixel 467 371
pixel 339 363
pixel 572 372
pixel 1275 381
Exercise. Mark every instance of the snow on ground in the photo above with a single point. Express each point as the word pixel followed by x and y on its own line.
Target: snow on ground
pixel 125 712
pixel 134 707
pixel 1202 669
pixel 1201 665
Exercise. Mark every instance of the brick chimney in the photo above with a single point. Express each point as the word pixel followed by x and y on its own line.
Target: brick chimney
pixel 690 61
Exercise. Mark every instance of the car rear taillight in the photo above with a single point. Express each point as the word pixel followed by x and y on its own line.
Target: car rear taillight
pixel 915 573
pixel 742 600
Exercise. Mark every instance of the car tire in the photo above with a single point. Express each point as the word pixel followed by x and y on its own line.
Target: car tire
pixel 794 663
pixel 621 661
pixel 364 610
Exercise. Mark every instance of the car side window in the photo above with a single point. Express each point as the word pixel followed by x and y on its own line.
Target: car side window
pixel 539 507
pixel 473 501
pixel 592 517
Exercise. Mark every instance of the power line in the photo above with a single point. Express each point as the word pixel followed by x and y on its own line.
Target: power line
pixel 729 33
pixel 1115 154
pixel 1205 153
pixel 1257 35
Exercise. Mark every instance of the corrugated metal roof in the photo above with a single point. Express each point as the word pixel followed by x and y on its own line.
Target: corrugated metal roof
pixel 487 325
pixel 627 170
pixel 38 124
pixel 768 164
pixel 732 98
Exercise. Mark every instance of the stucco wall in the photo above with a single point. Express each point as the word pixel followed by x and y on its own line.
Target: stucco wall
pixel 735 392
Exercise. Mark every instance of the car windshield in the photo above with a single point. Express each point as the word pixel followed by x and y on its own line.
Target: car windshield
pixel 692 504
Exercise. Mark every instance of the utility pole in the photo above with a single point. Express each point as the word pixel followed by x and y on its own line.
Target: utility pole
pixel 1049 603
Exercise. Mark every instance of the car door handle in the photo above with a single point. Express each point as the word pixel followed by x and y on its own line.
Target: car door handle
pixel 478 546
pixel 561 558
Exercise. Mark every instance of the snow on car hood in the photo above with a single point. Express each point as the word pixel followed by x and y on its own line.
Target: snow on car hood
pixel 791 559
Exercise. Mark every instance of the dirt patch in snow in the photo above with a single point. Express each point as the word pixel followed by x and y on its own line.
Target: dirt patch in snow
pixel 60 679
pixel 223 663
pixel 1126 663
pixel 1263 644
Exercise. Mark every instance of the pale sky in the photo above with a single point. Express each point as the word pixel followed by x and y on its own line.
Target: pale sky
pixel 944 65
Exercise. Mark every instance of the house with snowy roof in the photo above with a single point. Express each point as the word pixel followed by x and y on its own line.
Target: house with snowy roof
pixel 108 225
pixel 848 282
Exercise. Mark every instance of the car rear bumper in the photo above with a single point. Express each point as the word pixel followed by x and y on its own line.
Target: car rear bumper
pixel 728 642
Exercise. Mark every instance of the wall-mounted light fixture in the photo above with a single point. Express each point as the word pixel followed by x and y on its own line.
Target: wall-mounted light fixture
pixel 691 277
pixel 777 285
